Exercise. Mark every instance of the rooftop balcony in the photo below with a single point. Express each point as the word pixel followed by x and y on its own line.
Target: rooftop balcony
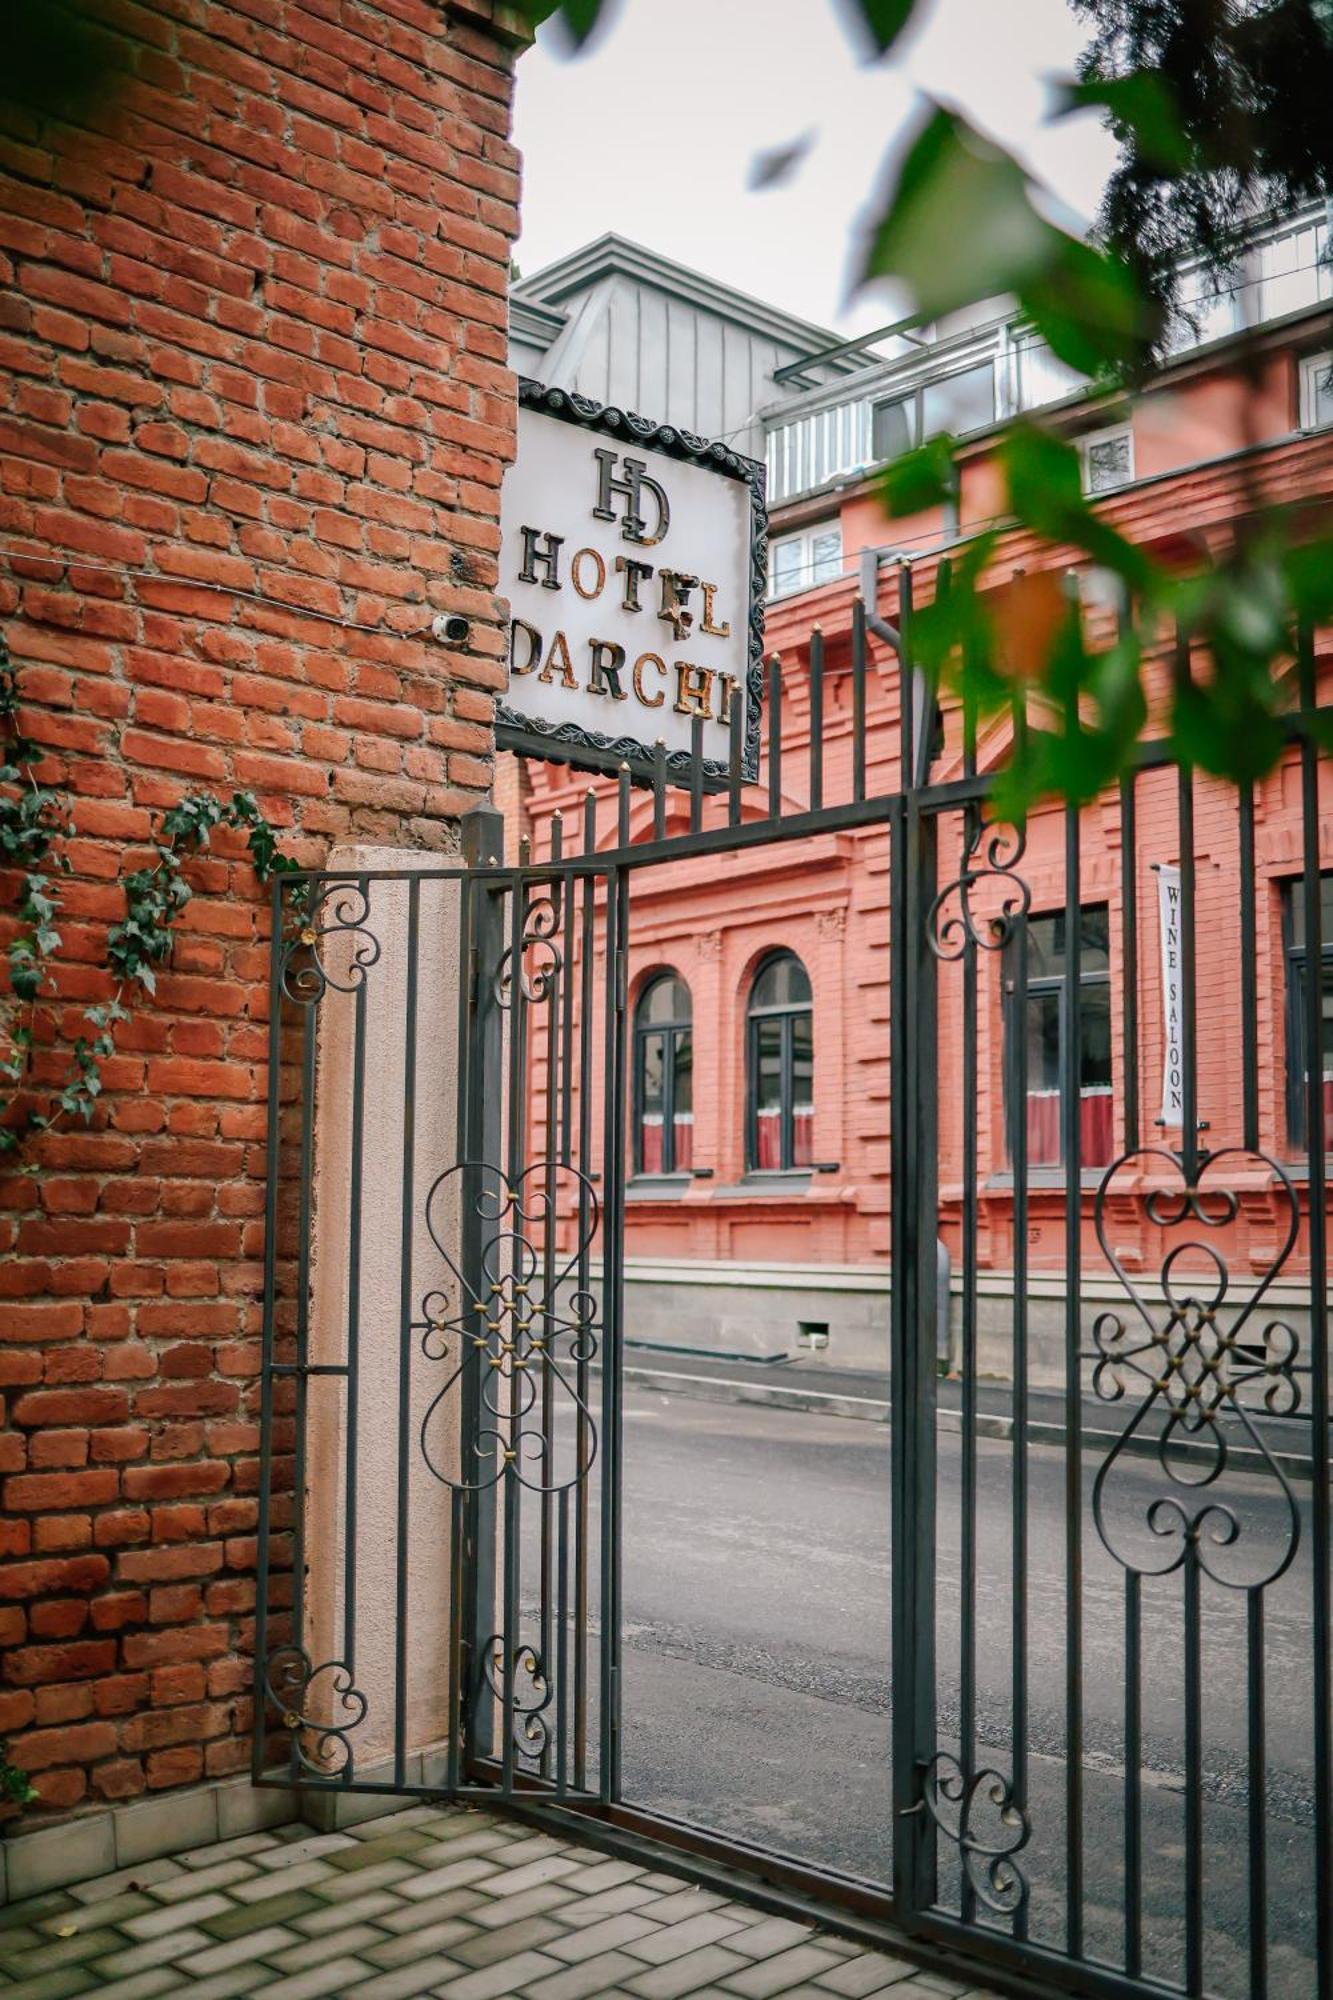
pixel 966 380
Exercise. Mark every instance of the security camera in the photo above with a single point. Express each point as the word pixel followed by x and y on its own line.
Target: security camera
pixel 450 629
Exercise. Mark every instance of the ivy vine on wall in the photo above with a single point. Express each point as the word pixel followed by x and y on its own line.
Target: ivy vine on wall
pixel 35 827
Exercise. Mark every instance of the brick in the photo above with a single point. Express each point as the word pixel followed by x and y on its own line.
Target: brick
pixel 239 347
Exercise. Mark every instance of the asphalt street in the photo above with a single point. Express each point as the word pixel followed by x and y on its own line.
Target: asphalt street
pixel 756 1693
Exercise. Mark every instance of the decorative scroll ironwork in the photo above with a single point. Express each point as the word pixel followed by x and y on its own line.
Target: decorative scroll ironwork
pixel 1195 1361
pixel 525 1327
pixel 330 910
pixel 540 959
pixel 980 1815
pixel 988 874
pixel 298 1689
pixel 533 1690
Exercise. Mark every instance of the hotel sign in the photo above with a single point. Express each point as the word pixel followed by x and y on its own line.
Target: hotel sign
pixel 632 556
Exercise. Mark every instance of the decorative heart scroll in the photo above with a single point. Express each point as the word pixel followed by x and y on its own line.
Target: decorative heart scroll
pixel 1196 1353
pixel 523 1334
pixel 320 1705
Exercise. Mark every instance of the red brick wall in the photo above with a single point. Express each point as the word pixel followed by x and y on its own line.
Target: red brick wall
pixel 252 368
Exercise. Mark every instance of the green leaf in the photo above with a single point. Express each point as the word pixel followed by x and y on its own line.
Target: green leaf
pixel 1088 308
pixel 578 17
pixel 1142 107
pixel 1044 479
pixel 959 224
pixel 921 478
pixel 883 20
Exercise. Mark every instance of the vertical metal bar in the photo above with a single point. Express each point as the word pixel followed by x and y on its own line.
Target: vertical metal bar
pixel 913 1091
pixel 481 1087
pixel 272 1169
pixel 1189 1092
pixel 550 1314
pixel 816 719
pixel 622 805
pixel 1257 1787
pixel 1312 1000
pixel 511 1633
pixel 737 762
pixel 408 1217
pixel 967 1720
pixel 906 690
pixel 457 1590
pixel 584 1438
pixel 305 1218
pixel 775 737
pixel 1072 1108
pixel 617 916
pixel 1129 954
pixel 350 1459
pixel 567 1020
pixel 659 790
pixel 1018 1099
pixel 858 700
pixel 1193 1778
pixel 1133 1774
pixel 696 773
pixel 1249 995
pixel 562 1648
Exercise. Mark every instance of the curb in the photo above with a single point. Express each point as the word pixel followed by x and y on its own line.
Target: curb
pixel 873 1410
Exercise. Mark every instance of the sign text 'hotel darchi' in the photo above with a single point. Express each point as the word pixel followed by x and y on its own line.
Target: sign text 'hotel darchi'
pixel 632 560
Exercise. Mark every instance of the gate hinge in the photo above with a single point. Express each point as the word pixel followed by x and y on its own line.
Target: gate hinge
pixel 473 977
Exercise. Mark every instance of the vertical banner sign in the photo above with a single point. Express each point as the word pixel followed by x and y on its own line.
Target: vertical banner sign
pixel 1173 1020
pixel 632 555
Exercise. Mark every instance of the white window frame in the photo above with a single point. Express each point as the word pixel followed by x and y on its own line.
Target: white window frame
pixel 1105 436
pixel 1312 367
pixel 804 540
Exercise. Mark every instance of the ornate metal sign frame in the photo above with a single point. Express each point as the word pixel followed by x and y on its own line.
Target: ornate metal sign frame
pixel 586 749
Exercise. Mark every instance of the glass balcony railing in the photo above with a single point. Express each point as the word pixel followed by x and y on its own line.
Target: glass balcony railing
pixel 1004 370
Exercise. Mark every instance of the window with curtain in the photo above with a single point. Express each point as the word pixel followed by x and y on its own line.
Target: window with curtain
pixel 1298 972
pixel 1038 1040
pixel 781 1067
pixel 663 1078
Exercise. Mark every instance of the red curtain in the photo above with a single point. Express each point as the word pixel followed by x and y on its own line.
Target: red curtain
pixel 768 1139
pixel 683 1127
pixel 803 1135
pixel 1096 1127
pixel 650 1143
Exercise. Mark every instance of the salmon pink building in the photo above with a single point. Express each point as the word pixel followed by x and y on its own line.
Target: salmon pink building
pixel 757 1143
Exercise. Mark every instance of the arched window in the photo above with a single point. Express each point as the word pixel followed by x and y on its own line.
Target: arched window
pixel 781 1066
pixel 663 1078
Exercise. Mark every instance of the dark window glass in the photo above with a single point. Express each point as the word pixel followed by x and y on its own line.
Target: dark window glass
pixel 1037 1042
pixel 663 1078
pixel 1298 974
pixel 781 1117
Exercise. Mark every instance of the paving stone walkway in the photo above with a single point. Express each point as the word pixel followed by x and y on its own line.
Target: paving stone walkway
pixel 430 1901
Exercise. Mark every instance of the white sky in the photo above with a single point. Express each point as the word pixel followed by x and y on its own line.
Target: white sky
pixel 653 132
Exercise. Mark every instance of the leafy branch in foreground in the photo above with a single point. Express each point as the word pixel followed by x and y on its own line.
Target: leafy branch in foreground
pixel 1220 107
pixel 34 827
pixel 1025 648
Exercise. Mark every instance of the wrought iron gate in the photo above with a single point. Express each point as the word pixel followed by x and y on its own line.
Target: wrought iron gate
pixel 444 1327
